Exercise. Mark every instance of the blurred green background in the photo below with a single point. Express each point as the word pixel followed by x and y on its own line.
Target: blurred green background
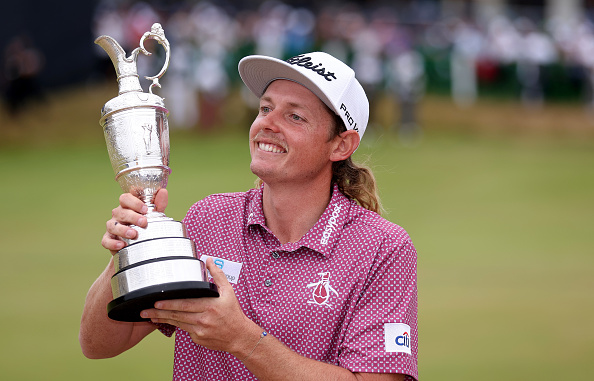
pixel 497 198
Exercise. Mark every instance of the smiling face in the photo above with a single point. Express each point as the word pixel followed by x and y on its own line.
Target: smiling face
pixel 290 138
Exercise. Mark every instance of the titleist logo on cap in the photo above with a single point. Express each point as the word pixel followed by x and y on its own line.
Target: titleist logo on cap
pixel 305 62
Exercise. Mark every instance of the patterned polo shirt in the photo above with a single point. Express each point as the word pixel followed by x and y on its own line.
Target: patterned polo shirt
pixel 345 294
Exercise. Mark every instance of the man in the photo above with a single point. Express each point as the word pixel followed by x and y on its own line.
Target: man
pixel 323 288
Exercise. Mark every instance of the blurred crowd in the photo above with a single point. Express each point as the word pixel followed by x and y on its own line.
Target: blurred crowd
pixel 209 40
pixel 395 50
pixel 22 64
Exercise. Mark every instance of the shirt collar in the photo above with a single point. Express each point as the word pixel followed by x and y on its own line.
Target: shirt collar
pixel 323 236
pixel 255 211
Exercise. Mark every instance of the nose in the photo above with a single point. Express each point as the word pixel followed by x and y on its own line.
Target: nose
pixel 270 121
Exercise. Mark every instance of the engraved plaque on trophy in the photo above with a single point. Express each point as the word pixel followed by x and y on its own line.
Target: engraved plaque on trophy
pixel 162 262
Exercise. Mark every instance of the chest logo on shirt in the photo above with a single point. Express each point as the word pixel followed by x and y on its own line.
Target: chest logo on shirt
pixel 322 291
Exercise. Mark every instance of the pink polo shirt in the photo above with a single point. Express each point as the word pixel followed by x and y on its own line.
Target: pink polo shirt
pixel 345 294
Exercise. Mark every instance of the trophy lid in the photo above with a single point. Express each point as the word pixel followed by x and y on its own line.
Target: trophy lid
pixel 130 91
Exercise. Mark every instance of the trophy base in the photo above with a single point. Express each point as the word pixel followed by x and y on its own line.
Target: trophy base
pixel 128 307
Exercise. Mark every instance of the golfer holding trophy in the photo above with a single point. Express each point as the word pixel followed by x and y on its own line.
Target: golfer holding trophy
pixel 312 283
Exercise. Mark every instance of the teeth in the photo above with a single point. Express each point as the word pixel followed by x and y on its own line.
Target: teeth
pixel 270 148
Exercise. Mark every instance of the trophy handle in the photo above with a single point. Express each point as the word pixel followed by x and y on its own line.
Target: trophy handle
pixel 158 35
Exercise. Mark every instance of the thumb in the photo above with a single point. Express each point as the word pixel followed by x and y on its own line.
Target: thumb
pixel 161 200
pixel 218 276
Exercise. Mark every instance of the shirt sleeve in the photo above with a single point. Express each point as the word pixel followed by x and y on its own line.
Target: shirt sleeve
pixel 165 329
pixel 382 335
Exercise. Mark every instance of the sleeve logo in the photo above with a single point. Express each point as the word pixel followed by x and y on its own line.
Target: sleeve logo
pixel 397 337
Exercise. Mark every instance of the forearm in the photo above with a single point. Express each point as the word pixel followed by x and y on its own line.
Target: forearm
pixel 99 336
pixel 272 360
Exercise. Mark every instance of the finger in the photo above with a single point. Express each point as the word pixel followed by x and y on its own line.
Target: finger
pixel 127 217
pixel 117 229
pixel 112 243
pixel 161 200
pixel 130 211
pixel 129 201
pixel 218 276
pixel 170 316
pixel 178 319
pixel 161 316
pixel 192 305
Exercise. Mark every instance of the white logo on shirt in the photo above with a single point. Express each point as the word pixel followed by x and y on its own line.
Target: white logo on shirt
pixel 331 225
pixel 397 337
pixel 322 290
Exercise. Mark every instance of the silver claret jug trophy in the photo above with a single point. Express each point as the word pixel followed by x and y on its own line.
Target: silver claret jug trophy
pixel 161 263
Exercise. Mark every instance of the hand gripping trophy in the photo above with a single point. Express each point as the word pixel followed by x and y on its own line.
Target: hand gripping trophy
pixel 161 263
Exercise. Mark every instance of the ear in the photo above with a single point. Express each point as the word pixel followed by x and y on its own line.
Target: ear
pixel 346 143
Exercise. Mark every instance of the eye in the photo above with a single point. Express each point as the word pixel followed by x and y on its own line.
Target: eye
pixel 296 117
pixel 264 109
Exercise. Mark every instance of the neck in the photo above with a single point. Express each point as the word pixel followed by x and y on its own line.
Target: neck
pixel 291 211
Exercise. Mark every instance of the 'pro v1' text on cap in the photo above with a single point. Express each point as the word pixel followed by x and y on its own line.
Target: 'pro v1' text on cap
pixel 328 78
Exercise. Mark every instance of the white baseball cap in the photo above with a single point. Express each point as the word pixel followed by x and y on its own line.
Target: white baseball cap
pixel 328 78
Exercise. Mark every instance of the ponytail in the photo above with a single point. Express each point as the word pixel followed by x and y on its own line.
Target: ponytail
pixel 355 181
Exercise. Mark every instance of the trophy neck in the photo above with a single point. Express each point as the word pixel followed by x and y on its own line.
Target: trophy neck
pixel 153 215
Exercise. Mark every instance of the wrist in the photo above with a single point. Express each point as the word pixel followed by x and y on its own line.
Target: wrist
pixel 249 341
pixel 262 336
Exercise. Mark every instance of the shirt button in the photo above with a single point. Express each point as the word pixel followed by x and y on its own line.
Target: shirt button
pixel 275 255
pixel 268 283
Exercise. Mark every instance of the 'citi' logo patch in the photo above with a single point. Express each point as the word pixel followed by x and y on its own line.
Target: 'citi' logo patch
pixel 397 338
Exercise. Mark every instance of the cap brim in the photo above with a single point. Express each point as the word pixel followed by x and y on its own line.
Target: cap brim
pixel 257 72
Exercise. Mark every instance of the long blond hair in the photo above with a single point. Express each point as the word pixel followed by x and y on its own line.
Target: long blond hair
pixel 355 181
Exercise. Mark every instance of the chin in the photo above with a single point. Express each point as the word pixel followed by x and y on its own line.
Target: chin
pixel 267 175
pixel 258 170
